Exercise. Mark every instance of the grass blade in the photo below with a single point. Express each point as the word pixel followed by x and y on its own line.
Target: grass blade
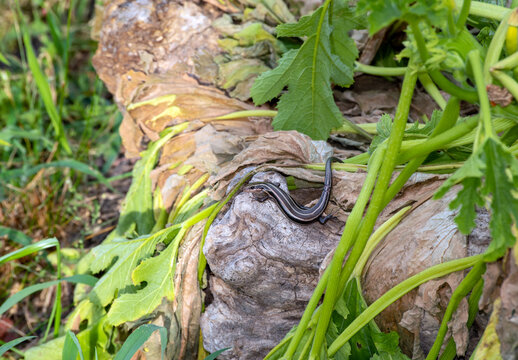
pixel 72 348
pixel 29 249
pixel 46 96
pixel 15 235
pixel 22 294
pixel 215 354
pixel 8 346
pixel 70 163
pixel 138 338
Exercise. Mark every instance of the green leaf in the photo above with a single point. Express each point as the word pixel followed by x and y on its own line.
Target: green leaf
pixel 45 93
pixel 382 13
pixel 15 235
pixel 94 342
pixel 138 338
pixel 158 272
pixel 137 209
pixel 467 199
pixel 71 347
pixel 501 183
pixel 29 249
pixel 128 253
pixel 383 128
pixel 4 60
pixel 215 354
pixel 490 173
pixel 70 163
pixel 9 345
pixel 308 106
pixel 22 294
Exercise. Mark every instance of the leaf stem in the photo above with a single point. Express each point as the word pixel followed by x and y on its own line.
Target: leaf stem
pixel 495 48
pixel 431 89
pixel 509 62
pixel 486 10
pixel 460 292
pixel 350 229
pixel 463 16
pixel 448 119
pixel 508 82
pixel 437 77
pixel 379 70
pixel 386 169
pixel 485 112
pixel 438 141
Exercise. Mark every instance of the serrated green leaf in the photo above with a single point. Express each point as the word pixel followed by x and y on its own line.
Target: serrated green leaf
pixel 383 128
pixel 128 254
pixel 428 127
pixel 306 26
pixel 491 172
pixel 501 183
pixel 387 345
pixel 382 13
pixel 270 83
pixel 158 273
pixel 308 106
pixel 467 199
pixel 343 21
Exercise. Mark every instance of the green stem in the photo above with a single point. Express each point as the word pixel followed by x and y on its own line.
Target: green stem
pixel 460 292
pixel 450 351
pixel 380 233
pixel 451 22
pixel 437 77
pixel 245 113
pixel 379 70
pixel 507 63
pixel 431 89
pixel 440 141
pixel 485 111
pixel 398 291
pixel 508 82
pixel 463 16
pixel 448 119
pixel 387 167
pixel 350 229
pixel 57 318
pixel 495 48
pixel 306 317
pixel 485 10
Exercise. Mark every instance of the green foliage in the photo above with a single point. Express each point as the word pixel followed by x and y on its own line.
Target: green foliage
pixel 22 294
pixel 325 57
pixel 71 347
pixel 490 174
pixel 15 235
pixel 138 338
pixel 9 345
pixel 215 354
pixel 137 211
pixel 92 341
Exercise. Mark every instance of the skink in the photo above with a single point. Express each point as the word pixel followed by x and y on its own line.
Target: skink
pixel 291 208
